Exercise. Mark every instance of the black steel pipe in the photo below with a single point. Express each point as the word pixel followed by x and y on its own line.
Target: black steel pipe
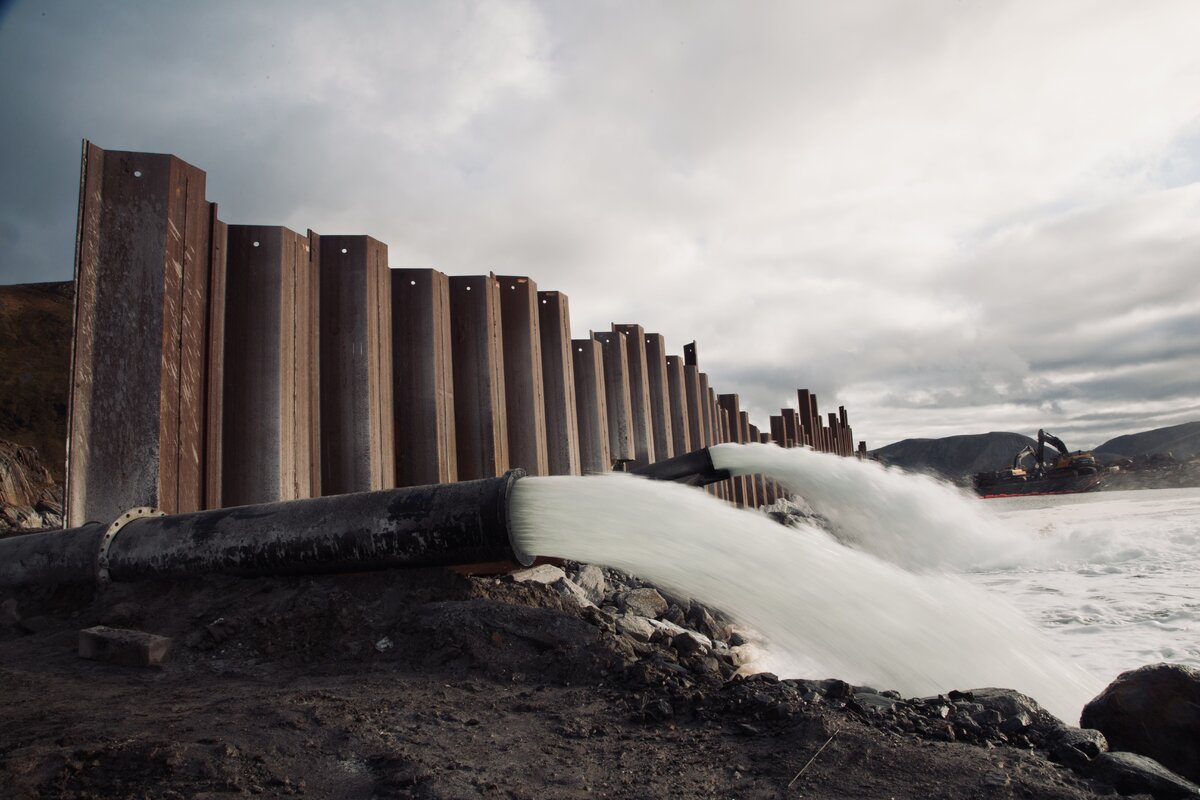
pixel 694 469
pixel 443 524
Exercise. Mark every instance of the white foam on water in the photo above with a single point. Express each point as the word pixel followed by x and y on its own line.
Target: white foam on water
pixel 913 520
pixel 1112 577
pixel 826 610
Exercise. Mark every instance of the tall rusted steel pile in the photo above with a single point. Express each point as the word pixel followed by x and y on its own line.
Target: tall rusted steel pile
pixel 219 365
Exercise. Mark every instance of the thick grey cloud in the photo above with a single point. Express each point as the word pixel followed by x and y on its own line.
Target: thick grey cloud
pixel 948 217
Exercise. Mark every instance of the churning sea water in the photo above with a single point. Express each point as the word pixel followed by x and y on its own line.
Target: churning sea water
pixel 859 597
pixel 1112 577
pixel 902 581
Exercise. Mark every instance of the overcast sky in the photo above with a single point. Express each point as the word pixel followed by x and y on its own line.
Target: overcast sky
pixel 951 217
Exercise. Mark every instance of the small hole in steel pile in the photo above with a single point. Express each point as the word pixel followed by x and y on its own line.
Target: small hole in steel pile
pixel 344 250
pixel 412 283
pixel 256 244
pixel 137 173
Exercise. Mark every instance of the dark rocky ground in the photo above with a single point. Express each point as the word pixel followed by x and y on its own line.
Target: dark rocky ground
pixel 428 684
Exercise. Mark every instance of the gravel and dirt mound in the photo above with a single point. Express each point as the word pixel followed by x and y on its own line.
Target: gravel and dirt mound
pixel 428 684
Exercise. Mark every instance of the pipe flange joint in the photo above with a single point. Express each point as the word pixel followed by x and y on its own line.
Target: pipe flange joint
pixel 141 512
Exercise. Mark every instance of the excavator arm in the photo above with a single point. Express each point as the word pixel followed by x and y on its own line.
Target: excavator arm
pixel 1054 441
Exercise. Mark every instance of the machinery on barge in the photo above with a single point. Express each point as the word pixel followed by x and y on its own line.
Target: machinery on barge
pixel 1032 474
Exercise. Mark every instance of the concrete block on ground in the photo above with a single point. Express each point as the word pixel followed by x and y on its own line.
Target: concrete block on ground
pixel 422 378
pixel 558 384
pixel 122 646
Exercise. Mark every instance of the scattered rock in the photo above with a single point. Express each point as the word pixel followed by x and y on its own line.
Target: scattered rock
pixel 874 703
pixel 699 619
pixel 590 579
pixel 1153 711
pixel 1075 747
pixel 32 625
pixel 385 644
pixel 635 627
pixel 1130 773
pixel 687 644
pixel 122 614
pixel 643 602
pixel 219 630
pixel 9 613
pixel 28 495
pixel 572 592
pixel 542 573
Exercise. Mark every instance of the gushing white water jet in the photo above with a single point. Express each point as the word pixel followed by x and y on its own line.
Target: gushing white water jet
pixel 826 610
pixel 912 520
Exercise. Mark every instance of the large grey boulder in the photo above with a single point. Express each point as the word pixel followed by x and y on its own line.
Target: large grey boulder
pixel 590 578
pixel 643 602
pixel 1153 711
pixel 1130 773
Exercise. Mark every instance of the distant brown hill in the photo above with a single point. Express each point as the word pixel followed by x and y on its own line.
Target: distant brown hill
pixel 35 367
pixel 1181 441
pixel 956 458
pixel 952 457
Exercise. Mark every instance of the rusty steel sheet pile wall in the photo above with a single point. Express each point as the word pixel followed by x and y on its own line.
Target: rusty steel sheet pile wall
pixel 289 366
pixel 422 378
pixel 591 399
pixel 639 394
pixel 142 277
pixel 357 441
pixel 617 399
pixel 480 411
pixel 660 404
pixel 269 378
pixel 677 410
pixel 524 397
pixel 559 384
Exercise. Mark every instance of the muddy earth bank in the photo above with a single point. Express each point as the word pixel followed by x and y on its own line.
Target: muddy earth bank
pixel 429 684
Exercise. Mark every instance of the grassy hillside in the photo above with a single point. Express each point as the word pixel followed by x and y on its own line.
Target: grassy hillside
pixel 35 364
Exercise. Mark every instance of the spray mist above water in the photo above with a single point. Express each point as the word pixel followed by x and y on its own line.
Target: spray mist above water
pixel 912 520
pixel 825 609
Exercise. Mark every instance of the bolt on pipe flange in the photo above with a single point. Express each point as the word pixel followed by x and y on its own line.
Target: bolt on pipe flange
pixel 141 512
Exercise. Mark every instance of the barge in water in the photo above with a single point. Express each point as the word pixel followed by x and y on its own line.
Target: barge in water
pixel 1068 473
